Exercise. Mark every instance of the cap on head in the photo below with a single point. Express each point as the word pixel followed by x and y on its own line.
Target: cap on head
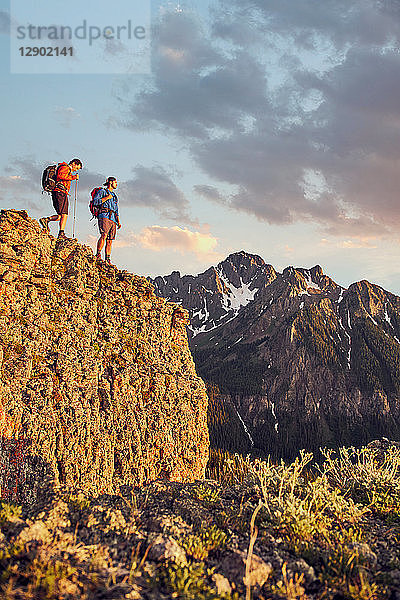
pixel 109 180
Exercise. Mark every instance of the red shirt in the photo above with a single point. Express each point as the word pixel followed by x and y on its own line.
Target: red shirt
pixel 64 177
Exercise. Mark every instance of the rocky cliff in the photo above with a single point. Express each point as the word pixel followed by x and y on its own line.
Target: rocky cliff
pixel 98 388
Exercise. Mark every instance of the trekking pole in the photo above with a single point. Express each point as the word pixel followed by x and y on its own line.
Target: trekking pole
pixel 76 194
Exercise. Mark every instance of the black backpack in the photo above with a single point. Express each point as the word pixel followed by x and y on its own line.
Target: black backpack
pixel 49 178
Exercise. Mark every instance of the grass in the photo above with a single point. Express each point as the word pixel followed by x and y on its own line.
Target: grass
pixel 327 515
pixel 330 530
pixel 191 582
pixel 198 546
pixel 367 475
pixel 206 493
pixel 289 587
pixel 228 468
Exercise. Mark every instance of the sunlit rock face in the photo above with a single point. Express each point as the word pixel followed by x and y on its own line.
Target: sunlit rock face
pixel 98 387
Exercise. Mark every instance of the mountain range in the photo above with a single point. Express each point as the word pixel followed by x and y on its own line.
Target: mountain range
pixel 293 359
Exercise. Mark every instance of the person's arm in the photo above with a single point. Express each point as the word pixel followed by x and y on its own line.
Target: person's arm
pixel 117 213
pixel 106 196
pixel 102 196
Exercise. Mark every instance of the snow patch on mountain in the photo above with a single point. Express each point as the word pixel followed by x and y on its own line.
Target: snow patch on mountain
pixel 388 320
pixel 245 427
pixel 238 297
pixel 348 337
pixel 341 295
pixel 310 283
pixel 276 426
pixel 203 313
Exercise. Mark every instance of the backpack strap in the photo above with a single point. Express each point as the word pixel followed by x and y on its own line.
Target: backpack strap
pixel 106 210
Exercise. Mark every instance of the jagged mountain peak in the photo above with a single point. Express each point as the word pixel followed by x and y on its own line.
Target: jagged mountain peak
pixel 305 360
pixel 308 362
pixel 309 281
pixel 245 286
pixel 315 272
pixel 243 258
pixel 218 294
pixel 372 299
pixel 365 286
pixel 241 269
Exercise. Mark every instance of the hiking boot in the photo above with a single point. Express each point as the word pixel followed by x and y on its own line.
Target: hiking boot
pixel 62 236
pixel 44 221
pixel 107 260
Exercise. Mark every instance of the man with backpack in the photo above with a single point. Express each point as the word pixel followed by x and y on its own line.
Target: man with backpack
pixel 105 208
pixel 63 177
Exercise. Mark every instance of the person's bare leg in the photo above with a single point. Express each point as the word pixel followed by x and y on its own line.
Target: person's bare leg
pixel 108 248
pixel 44 221
pixel 100 244
pixel 63 221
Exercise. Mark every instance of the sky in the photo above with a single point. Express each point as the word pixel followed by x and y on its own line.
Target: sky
pixel 270 126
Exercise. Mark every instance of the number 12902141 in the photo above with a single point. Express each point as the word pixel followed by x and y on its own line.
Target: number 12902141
pixel 46 51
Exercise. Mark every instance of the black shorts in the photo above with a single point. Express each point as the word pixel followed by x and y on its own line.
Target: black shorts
pixel 60 202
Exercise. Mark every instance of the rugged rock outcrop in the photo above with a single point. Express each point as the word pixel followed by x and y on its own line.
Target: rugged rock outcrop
pixel 98 387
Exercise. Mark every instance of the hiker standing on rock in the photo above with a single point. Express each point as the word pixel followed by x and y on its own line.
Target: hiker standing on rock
pixel 106 201
pixel 59 195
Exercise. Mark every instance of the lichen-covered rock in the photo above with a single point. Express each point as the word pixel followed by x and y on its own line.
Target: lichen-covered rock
pixel 300 567
pixel 165 548
pixel 234 568
pixel 98 387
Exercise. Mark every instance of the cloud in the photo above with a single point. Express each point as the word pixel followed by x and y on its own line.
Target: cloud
pixel 66 115
pixel 281 90
pixel 14 184
pixel 368 242
pixel 306 22
pixel 360 243
pixel 157 238
pixel 210 193
pixel 178 239
pixel 115 47
pixel 19 183
pixel 18 190
pixel 197 88
pixel 154 188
